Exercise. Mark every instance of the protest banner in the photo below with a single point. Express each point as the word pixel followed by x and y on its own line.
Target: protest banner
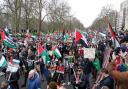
pixel 60 69
pixel 14 66
pixel 89 53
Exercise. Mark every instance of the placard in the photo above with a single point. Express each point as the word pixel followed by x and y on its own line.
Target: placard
pixel 60 69
pixel 89 53
pixel 14 66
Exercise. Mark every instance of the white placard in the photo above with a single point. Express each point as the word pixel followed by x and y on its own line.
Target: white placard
pixel 12 68
pixel 89 53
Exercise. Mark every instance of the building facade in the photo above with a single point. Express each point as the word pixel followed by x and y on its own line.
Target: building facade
pixel 123 16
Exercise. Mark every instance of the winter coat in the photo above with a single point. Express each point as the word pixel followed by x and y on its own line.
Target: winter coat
pixel 107 81
pixel 34 83
pixel 13 81
pixel 82 84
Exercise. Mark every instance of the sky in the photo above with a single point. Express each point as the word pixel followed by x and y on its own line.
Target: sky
pixel 87 10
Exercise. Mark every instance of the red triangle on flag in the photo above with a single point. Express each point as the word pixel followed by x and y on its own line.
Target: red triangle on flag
pixel 11 60
pixel 40 49
pixel 3 35
pixel 54 47
pixel 78 36
pixel 113 35
pixel 69 33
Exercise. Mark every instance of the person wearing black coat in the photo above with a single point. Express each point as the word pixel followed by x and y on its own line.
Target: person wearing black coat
pixel 80 80
pixel 13 81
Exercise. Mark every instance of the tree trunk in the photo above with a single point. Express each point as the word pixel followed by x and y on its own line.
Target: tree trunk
pixel 40 23
pixel 40 11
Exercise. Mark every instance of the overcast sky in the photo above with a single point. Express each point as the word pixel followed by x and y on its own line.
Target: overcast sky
pixel 87 10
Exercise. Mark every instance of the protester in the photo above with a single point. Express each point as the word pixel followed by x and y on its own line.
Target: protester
pixel 60 85
pixel 121 77
pixel 79 80
pixel 52 85
pixel 34 81
pixel 66 65
pixel 13 81
pixel 5 85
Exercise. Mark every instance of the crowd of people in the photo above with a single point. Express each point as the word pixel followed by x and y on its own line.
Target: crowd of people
pixel 77 71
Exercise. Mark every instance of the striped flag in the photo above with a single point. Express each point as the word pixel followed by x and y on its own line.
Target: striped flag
pixel 80 38
pixel 7 41
pixel 113 36
pixel 43 53
pixel 3 62
pixel 56 52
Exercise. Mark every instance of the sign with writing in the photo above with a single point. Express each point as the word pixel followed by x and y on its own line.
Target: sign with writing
pixel 60 69
pixel 14 66
pixel 89 53
pixel 70 59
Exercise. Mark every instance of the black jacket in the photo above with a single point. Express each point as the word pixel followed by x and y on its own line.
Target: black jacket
pixel 82 84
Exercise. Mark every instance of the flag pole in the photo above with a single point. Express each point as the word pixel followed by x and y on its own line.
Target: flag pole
pixel 9 76
pixel 74 73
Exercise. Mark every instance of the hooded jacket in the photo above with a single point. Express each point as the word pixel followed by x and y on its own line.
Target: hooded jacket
pixel 34 83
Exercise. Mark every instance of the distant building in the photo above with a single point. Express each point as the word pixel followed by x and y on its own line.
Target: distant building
pixel 122 22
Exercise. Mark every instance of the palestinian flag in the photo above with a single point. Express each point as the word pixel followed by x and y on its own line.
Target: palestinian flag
pixel 56 52
pixel 43 53
pixel 96 64
pixel 113 36
pixel 40 49
pixel 7 32
pixel 65 37
pixel 3 62
pixel 7 41
pixel 80 38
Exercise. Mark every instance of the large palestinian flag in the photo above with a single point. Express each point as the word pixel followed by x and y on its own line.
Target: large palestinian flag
pixel 3 62
pixel 43 53
pixel 80 38
pixel 7 41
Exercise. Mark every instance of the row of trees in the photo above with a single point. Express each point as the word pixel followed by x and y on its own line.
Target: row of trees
pixel 37 15
pixel 100 23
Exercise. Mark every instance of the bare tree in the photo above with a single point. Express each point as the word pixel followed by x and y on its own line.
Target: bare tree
pixel 28 12
pixel 14 8
pixel 39 10
pixel 100 23
pixel 59 10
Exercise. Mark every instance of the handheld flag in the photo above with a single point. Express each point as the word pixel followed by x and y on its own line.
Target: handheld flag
pixel 42 52
pixel 80 38
pixel 113 36
pixel 56 52
pixel 3 62
pixel 7 41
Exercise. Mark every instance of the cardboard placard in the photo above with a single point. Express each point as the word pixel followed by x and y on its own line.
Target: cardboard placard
pixel 60 69
pixel 14 66
pixel 89 53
